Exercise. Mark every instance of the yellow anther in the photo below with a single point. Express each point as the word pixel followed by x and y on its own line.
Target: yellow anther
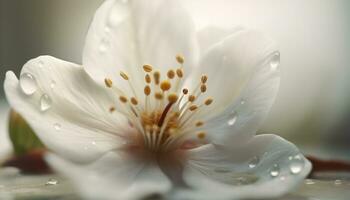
pixel 147 90
pixel 147 68
pixel 156 76
pixel 201 135
pixel 204 79
pixel 148 78
pixel 112 109
pixel 124 75
pixel 179 73
pixel 180 59
pixel 134 101
pixel 199 123
pixel 193 108
pixel 172 98
pixel 191 98
pixel 123 99
pixel 208 101
pixel 155 129
pixel 185 91
pixel 203 88
pixel 158 95
pixel 108 82
pixel 171 74
pixel 165 85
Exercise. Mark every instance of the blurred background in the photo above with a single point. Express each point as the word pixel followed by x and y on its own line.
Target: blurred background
pixel 313 106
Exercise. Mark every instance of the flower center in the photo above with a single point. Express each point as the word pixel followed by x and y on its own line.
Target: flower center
pixel 169 115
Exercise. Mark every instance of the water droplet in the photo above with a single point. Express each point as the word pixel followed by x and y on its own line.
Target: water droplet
pixel 52 84
pixel 104 45
pixel 41 63
pixel 296 164
pixel 309 182
pixel 338 182
pixel 233 119
pixel 242 102
pixel 28 83
pixel 45 102
pixel 57 126
pixel 51 181
pixel 275 170
pixel 254 162
pixel 275 61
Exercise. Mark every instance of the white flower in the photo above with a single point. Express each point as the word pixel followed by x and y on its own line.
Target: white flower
pixel 182 129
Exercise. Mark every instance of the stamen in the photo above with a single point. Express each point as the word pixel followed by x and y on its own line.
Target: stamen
pixel 193 108
pixel 124 75
pixel 147 68
pixel 208 101
pixel 172 98
pixel 156 76
pixel 203 88
pixel 108 82
pixel 199 123
pixel 204 79
pixel 148 78
pixel 179 73
pixel 191 98
pixel 171 74
pixel 134 101
pixel 201 135
pixel 158 95
pixel 123 99
pixel 112 109
pixel 165 85
pixel 185 91
pixel 180 59
pixel 147 90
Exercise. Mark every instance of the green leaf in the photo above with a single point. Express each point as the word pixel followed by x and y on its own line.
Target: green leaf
pixel 22 136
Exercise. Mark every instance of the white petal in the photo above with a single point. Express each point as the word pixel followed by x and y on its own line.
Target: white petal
pixel 73 120
pixel 210 35
pixel 124 36
pixel 116 175
pixel 245 171
pixel 242 83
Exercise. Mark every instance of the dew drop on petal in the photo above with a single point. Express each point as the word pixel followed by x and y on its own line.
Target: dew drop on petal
pixel 104 45
pixel 296 164
pixel 338 182
pixel 52 84
pixel 309 182
pixel 232 120
pixel 45 102
pixel 275 61
pixel 275 170
pixel 242 102
pixel 41 64
pixel 57 126
pixel 254 162
pixel 28 83
pixel 51 182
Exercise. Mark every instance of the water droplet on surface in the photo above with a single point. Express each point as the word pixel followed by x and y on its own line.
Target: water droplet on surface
pixel 41 63
pixel 296 164
pixel 254 162
pixel 51 181
pixel 309 182
pixel 242 102
pixel 338 182
pixel 275 61
pixel 57 126
pixel 45 102
pixel 104 45
pixel 232 120
pixel 52 84
pixel 28 83
pixel 275 170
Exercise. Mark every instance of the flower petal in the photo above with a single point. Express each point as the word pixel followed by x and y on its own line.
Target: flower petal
pixel 116 175
pixel 247 171
pixel 243 81
pixel 68 110
pixel 124 36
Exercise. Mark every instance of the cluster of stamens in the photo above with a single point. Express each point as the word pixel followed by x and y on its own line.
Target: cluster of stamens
pixel 169 113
